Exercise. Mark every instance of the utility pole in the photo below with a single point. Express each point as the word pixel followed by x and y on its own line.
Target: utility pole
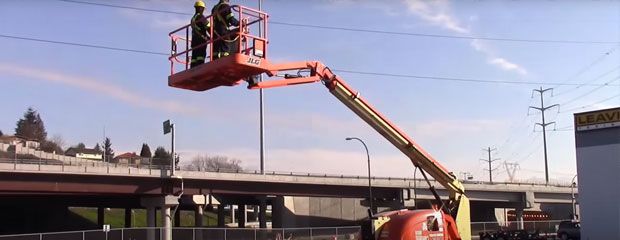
pixel 490 162
pixel 103 145
pixel 544 124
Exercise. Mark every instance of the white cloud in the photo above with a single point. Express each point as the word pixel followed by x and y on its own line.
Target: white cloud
pixel 100 87
pixel 438 13
pixel 509 66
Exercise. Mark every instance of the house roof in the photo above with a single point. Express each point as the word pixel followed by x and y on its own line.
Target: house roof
pixel 127 155
pixel 12 138
pixel 84 151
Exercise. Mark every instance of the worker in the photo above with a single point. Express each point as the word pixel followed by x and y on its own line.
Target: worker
pixel 200 26
pixel 225 42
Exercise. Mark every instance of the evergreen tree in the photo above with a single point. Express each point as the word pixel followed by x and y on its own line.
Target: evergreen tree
pixel 31 126
pixel 97 148
pixel 107 149
pixel 1 134
pixel 80 146
pixel 146 151
pixel 161 156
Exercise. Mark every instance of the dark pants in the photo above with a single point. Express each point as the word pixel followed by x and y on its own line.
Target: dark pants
pixel 198 54
pixel 223 48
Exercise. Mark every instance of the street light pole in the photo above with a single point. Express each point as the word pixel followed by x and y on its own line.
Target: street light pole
pixel 369 180
pixel 262 105
pixel 169 128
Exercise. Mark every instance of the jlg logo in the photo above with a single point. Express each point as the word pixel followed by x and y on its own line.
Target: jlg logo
pixel 253 61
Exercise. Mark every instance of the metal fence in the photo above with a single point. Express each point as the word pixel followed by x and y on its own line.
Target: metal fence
pixel 542 227
pixel 328 233
pixel 149 168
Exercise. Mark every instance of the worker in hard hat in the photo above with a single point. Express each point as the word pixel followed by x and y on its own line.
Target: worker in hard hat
pixel 223 18
pixel 200 34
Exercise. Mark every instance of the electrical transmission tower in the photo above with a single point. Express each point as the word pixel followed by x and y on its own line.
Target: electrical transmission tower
pixel 544 124
pixel 490 162
pixel 511 170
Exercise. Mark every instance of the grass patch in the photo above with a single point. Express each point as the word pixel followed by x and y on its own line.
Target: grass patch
pixel 115 217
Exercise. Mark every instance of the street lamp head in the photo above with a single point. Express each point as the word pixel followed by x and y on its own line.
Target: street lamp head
pixel 349 138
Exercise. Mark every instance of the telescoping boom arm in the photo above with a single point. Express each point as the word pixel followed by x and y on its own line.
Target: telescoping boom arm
pixel 349 97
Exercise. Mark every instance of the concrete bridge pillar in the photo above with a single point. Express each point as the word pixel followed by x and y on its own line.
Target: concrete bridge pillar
pixel 277 212
pixel 262 214
pixel 166 220
pixel 100 217
pixel 221 216
pixel 150 222
pixel 519 215
pixel 165 203
pixel 198 215
pixel 197 202
pixel 243 214
pixel 128 217
pixel 177 218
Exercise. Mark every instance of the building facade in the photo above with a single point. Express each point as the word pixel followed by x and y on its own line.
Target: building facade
pixel 597 139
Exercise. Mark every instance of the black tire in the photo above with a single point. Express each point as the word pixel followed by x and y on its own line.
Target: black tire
pixel 564 236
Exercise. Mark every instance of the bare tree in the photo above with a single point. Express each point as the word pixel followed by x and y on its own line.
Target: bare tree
pixel 214 163
pixel 58 140
pixel 55 144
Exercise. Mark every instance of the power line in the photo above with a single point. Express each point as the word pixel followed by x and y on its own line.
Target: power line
pixel 591 104
pixel 591 91
pixel 82 45
pixel 126 7
pixel 439 78
pixel 601 76
pixel 361 29
pixel 460 79
pixel 592 64
pixel 443 36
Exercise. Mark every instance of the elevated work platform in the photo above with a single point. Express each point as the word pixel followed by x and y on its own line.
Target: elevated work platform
pixel 246 43
pixel 226 71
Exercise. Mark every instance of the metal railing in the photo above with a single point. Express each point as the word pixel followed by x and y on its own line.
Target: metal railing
pixel 327 233
pixel 252 24
pixel 154 169
pixel 544 228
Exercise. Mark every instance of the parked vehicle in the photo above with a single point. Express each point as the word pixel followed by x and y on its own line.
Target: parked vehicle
pixel 569 230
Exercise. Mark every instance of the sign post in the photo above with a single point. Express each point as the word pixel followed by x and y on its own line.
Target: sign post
pixel 169 128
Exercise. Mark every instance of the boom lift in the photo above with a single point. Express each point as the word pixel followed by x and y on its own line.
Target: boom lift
pixel 251 59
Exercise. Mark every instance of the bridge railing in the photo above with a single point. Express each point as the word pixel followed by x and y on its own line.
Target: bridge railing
pixel 326 233
pixel 150 168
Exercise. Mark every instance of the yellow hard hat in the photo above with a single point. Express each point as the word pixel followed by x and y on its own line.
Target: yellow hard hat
pixel 199 4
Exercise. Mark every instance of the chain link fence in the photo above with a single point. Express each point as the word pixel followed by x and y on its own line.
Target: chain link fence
pixel 328 233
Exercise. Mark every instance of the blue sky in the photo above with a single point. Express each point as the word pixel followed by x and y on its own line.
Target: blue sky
pixel 79 91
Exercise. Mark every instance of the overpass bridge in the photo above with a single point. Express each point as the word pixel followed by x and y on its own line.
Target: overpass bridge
pixel 295 199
